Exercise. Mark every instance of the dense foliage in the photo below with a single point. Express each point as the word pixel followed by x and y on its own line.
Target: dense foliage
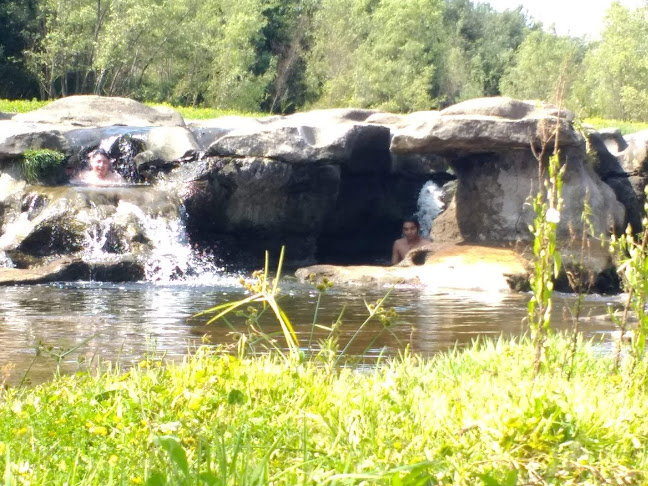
pixel 285 55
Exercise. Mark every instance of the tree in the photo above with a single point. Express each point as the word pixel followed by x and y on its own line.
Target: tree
pixel 64 52
pixel 542 60
pixel 18 21
pixel 616 69
pixel 376 53
pixel 479 45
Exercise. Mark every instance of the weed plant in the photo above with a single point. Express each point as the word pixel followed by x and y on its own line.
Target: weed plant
pixel 547 205
pixel 632 266
pixel 42 165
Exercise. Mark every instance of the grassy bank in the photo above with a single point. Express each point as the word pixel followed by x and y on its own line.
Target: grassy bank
pixel 188 112
pixel 473 417
pixel 625 127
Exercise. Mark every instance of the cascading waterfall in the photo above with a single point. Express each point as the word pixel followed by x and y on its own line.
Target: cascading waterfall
pixel 429 206
pixel 137 223
pixel 165 250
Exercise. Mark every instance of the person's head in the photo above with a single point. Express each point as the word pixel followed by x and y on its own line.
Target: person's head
pixel 99 163
pixel 411 228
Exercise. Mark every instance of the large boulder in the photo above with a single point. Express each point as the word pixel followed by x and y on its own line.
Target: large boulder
pixel 170 143
pixel 320 136
pixel 16 138
pixel 70 269
pixel 631 153
pixel 207 132
pixel 101 111
pixel 491 202
pixel 465 267
pixel 634 157
pixel 608 167
pixel 263 201
pixel 475 267
pixel 484 125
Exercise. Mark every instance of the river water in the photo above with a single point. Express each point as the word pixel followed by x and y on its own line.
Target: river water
pixel 125 322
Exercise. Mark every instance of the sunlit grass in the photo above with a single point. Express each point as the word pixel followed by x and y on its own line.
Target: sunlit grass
pixel 198 113
pixel 187 112
pixel 625 127
pixel 204 113
pixel 464 417
pixel 21 106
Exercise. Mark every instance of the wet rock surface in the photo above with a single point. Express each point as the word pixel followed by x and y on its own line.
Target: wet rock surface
pixel 330 185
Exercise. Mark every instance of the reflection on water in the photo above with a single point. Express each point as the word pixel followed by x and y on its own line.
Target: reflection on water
pixel 130 320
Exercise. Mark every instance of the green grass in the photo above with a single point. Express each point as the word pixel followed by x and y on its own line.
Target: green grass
pixel 201 113
pixel 197 113
pixel 188 112
pixel 625 127
pixel 21 106
pixel 464 418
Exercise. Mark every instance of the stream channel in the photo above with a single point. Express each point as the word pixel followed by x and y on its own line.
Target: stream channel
pixel 126 322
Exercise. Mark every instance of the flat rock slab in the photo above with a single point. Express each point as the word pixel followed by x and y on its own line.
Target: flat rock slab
pixel 102 111
pixel 460 267
pixel 73 269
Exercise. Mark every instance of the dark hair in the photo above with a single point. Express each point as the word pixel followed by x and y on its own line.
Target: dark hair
pixel 412 219
pixel 98 151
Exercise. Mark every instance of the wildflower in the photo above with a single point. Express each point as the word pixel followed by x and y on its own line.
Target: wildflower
pixel 552 215
pixel 98 430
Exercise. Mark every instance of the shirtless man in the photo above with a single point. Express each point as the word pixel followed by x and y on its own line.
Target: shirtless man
pixel 412 239
pixel 100 173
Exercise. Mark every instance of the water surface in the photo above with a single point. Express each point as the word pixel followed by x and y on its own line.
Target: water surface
pixel 124 322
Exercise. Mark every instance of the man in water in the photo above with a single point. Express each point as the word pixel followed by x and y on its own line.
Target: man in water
pixel 100 173
pixel 411 239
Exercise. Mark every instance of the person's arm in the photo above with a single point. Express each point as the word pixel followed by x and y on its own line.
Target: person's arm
pixel 395 254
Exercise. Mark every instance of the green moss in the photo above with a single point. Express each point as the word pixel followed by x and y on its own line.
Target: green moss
pixel 42 165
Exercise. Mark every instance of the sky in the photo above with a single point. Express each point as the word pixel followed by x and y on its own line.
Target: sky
pixel 571 17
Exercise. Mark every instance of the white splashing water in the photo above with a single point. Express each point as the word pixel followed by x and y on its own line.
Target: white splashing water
pixel 429 206
pixel 170 258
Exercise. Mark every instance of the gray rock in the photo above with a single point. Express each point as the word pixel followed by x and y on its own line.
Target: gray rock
pixel 70 269
pixel 101 111
pixel 491 199
pixel 170 143
pixel 6 116
pixel 239 194
pixel 609 169
pixel 613 140
pixel 319 136
pixel 478 133
pixel 634 158
pixel 509 108
pixel 206 132
pixel 16 138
